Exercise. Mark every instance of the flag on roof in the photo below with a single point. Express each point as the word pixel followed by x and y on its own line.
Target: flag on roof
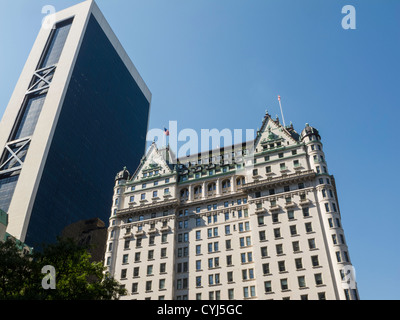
pixel 166 131
pixel 279 98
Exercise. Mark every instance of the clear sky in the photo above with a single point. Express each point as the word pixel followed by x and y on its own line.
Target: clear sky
pixel 221 64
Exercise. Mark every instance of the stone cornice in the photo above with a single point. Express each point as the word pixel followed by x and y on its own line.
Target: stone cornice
pixel 151 207
pixel 278 181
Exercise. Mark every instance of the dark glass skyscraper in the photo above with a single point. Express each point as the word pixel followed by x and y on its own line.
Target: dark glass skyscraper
pixel 78 114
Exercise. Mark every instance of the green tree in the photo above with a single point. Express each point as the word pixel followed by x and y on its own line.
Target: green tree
pixel 15 271
pixel 76 277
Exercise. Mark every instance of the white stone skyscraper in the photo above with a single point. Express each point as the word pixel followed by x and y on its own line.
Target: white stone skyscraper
pixel 216 226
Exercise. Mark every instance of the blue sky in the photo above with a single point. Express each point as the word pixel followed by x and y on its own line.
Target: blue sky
pixel 221 64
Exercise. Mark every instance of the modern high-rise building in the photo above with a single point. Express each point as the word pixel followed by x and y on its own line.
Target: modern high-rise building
pixel 258 220
pixel 77 104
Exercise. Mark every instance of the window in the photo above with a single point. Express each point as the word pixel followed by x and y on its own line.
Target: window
pixel 267 286
pixel 131 198
pixel 296 246
pixel 277 232
pixel 299 264
pixel 143 196
pixel 281 266
pixel 229 260
pixel 311 243
pixel 134 287
pixel 275 217
pixel 308 227
pixel 249 293
pixel 280 155
pixel 137 256
pixel 260 220
pixel 290 214
pixel 321 296
pixel 143 186
pixel 265 267
pixel 318 279
pixel 247 274
pixel 293 230
pixel 163 252
pixel 198 235
pixel 163 267
pixel 279 249
pixel 264 252
pixel 284 284
pixel 306 212
pixel 338 257
pixel 125 258
pixel 215 231
pixel 123 273
pixel 230 294
pixel 198 249
pixel 161 284
pixel 227 229
pixel 198 265
pixel 150 255
pixel 315 261
pixel 136 271
pixel 301 281
pixel 149 270
pixel 327 207
pixel 228 244
pixel 262 235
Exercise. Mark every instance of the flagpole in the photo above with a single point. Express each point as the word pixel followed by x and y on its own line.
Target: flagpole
pixel 280 106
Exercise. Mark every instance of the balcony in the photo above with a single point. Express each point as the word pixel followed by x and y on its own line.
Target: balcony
pixel 284 169
pixel 128 235
pixel 164 228
pixel 298 167
pixel 259 208
pixel 139 233
pixel 269 174
pixel 274 208
pixel 152 230
pixel 304 202
pixel 167 195
pixel 289 204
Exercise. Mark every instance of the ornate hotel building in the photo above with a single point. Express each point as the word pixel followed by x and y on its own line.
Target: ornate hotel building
pixel 258 221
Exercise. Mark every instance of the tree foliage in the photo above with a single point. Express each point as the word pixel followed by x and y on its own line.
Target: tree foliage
pixel 76 276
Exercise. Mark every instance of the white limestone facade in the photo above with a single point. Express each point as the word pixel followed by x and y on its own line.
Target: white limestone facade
pixel 258 222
